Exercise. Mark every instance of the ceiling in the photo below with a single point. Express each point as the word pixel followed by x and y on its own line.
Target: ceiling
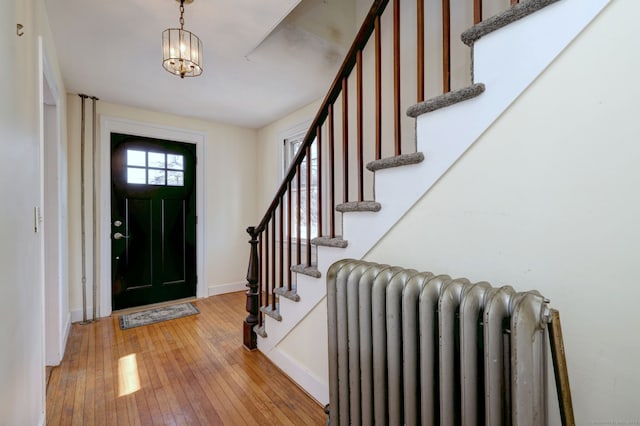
pixel 262 59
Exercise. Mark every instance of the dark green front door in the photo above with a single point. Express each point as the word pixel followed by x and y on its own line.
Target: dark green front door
pixel 153 220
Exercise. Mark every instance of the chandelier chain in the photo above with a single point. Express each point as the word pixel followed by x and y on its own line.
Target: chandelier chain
pixel 182 14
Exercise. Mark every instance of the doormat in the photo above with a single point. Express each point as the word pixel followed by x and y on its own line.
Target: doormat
pixel 152 316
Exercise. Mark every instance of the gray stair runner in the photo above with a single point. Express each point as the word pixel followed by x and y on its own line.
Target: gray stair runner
pixel 330 242
pixel 398 161
pixel 503 19
pixel 358 206
pixel 273 313
pixel 291 295
pixel 445 100
pixel 311 271
pixel 260 331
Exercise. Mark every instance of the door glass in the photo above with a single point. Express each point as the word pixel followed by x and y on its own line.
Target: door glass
pixel 136 158
pixel 175 162
pixel 157 160
pixel 136 175
pixel 156 177
pixel 175 178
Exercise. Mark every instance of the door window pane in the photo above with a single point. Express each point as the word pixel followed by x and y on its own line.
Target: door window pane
pixel 156 160
pixel 136 158
pixel 156 177
pixel 136 175
pixel 175 178
pixel 175 162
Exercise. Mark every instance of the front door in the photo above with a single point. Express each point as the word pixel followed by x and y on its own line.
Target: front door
pixel 153 220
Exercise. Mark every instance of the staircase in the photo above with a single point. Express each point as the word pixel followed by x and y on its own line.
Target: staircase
pixel 287 266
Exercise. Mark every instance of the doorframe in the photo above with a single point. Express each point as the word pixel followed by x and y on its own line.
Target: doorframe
pixel 54 257
pixel 110 125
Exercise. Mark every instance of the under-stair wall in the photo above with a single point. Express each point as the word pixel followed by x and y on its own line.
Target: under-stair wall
pixel 518 53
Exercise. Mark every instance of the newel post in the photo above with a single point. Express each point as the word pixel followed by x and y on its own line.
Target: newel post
pixel 249 336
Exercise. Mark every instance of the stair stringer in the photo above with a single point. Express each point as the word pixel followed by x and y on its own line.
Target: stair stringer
pixel 507 61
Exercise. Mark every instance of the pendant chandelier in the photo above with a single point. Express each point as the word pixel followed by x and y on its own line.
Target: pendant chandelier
pixel 181 49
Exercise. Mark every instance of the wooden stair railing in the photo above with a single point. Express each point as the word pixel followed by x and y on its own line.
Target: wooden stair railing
pixel 269 273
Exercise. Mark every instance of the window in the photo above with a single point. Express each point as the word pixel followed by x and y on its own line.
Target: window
pixel 292 145
pixel 154 168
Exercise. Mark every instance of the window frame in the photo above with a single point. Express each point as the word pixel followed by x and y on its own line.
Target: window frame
pixel 295 135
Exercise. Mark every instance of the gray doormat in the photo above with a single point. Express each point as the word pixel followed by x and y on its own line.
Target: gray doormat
pixel 152 316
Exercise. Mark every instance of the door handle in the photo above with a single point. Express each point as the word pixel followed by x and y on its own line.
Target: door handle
pixel 119 236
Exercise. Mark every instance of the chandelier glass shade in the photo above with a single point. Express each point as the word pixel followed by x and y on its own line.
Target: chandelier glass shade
pixel 181 50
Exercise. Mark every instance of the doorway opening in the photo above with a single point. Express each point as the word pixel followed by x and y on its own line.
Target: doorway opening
pixel 109 126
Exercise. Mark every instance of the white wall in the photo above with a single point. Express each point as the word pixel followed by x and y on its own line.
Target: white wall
pixel 229 188
pixel 548 199
pixel 22 397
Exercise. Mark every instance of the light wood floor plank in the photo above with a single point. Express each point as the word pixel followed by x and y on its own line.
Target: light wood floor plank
pixel 89 404
pixel 191 371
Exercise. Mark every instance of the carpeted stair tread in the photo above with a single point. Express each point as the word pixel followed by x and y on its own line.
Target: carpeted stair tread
pixel 359 206
pixel 443 101
pixel 330 242
pixel 288 294
pixel 397 161
pixel 273 313
pixel 311 271
pixel 260 331
pixel 503 19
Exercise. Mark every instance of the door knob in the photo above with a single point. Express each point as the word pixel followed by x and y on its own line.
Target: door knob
pixel 119 236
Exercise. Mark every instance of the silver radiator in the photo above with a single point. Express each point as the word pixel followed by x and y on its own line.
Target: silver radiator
pixel 410 348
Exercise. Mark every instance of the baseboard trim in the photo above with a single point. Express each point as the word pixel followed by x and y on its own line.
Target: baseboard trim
pixel 300 375
pixel 65 335
pixel 215 290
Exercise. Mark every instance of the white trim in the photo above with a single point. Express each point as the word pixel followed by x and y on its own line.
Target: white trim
pixel 52 212
pixel 316 388
pixel 43 295
pixel 216 289
pixel 121 125
pixel 295 130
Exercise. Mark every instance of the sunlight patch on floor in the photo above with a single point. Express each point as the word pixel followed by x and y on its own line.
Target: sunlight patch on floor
pixel 128 378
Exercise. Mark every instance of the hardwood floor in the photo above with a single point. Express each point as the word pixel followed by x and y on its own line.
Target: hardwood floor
pixel 189 371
